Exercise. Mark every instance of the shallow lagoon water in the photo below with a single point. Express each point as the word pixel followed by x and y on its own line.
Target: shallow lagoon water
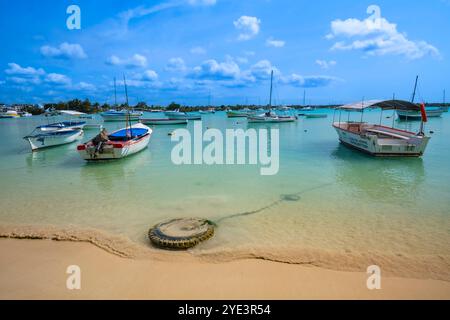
pixel 325 196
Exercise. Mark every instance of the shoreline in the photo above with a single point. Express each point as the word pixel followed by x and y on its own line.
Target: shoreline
pixel 425 267
pixel 37 270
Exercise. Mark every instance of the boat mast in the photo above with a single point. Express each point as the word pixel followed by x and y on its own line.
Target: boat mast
pixel 415 88
pixel 115 93
pixel 304 98
pixel 127 117
pixel 271 87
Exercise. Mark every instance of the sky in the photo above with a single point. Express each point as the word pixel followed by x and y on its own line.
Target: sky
pixel 195 51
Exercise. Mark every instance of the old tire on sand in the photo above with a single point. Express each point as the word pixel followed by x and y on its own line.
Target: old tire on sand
pixel 181 233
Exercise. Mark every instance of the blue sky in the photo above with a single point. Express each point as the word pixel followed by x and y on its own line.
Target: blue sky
pixel 182 50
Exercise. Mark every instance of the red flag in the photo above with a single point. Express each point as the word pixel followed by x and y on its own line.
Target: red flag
pixel 423 112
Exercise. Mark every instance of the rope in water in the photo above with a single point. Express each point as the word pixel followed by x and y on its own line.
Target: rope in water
pixel 283 198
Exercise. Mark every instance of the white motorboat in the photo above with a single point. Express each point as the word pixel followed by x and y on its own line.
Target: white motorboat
pixel 432 112
pixel 377 139
pixel 62 125
pixel 122 143
pixel 153 121
pixel 9 114
pixel 178 115
pixel 39 139
pixel 120 115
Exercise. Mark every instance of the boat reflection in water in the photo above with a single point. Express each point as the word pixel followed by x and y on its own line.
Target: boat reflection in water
pixel 397 180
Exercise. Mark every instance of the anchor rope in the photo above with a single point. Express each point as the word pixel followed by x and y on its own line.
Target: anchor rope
pixel 283 198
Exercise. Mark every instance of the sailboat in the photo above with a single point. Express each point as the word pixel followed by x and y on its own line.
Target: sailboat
pixel 119 115
pixel 121 143
pixel 270 117
pixel 432 112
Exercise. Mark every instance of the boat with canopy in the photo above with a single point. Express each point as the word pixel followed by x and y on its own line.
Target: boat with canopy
pixel 377 139
pixel 120 143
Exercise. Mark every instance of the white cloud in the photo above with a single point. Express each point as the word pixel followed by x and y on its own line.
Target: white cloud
pixel 64 51
pixel 176 65
pixel 213 70
pixel 136 60
pixel 58 79
pixel 309 81
pixel 198 50
pixel 325 64
pixel 16 69
pixel 377 37
pixel 202 2
pixel 248 26
pixel 262 70
pixel 84 86
pixel 271 42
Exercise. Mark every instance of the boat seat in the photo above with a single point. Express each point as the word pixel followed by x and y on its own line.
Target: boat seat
pixel 391 134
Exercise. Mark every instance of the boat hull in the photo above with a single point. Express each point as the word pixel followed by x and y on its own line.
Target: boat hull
pixel 371 144
pixel 163 121
pixel 112 118
pixel 53 139
pixel 113 150
pixel 233 114
pixel 263 119
pixel 415 115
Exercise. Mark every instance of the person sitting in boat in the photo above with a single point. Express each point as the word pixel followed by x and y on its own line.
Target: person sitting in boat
pixel 99 140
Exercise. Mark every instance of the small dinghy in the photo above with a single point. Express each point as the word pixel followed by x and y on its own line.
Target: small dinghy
pixel 62 125
pixel 40 139
pixel 316 115
pixel 151 121
pixel 177 115
pixel 270 117
pixel 121 143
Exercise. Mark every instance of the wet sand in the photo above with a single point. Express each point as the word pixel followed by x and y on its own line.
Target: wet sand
pixel 36 269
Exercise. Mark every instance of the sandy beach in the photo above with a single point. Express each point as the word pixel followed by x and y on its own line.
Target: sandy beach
pixel 36 269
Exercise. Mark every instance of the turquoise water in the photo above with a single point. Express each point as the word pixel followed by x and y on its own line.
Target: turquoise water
pixel 334 198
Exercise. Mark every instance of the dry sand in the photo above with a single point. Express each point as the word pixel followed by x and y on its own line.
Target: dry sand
pixel 36 269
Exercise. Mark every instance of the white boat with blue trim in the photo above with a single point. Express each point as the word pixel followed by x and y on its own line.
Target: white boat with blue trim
pixel 120 115
pixel 41 139
pixel 120 144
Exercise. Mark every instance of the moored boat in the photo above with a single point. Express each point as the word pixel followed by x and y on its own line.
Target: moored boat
pixel 178 115
pixel 121 143
pixel 315 115
pixel 243 113
pixel 432 112
pixel 10 114
pixel 379 140
pixel 270 116
pixel 62 125
pixel 151 121
pixel 39 139
pixel 120 115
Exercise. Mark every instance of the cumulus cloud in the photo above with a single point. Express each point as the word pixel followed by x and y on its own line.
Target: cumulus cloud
pixel 377 37
pixel 58 79
pixel 16 69
pixel 248 26
pixel 136 61
pixel 325 64
pixel 271 42
pixel 309 81
pixel 64 51
pixel 176 65
pixel 198 50
pixel 213 70
pixel 202 2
